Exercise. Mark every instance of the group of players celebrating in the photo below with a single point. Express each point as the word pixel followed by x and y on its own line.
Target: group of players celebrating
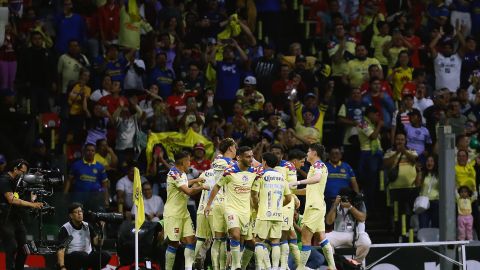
pixel 249 202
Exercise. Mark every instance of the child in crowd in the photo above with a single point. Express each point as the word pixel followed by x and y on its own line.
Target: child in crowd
pixel 465 218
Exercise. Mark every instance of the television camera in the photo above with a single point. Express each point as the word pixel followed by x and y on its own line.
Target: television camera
pixel 41 182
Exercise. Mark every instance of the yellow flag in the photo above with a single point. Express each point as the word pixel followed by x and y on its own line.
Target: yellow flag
pixel 133 10
pixel 138 199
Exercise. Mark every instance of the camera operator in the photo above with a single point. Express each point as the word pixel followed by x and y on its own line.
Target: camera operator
pixel 12 229
pixel 79 252
pixel 348 214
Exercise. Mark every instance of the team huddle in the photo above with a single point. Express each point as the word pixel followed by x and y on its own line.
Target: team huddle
pixel 252 204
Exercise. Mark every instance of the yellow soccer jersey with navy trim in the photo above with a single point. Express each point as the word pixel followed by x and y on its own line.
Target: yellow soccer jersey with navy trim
pixel 237 186
pixel 271 188
pixel 219 165
pixel 314 197
pixel 209 176
pixel 176 205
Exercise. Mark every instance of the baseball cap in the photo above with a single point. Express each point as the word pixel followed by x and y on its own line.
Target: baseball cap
pixel 309 95
pixel 407 93
pixel 300 58
pixel 250 80
pixel 3 160
pixel 199 146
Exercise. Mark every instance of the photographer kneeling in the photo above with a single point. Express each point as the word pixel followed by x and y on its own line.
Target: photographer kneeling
pixel 79 252
pixel 348 214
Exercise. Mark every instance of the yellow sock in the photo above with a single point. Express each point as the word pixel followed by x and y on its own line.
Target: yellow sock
pixel 215 253
pixel 259 256
pixel 284 250
pixel 304 255
pixel 295 251
pixel 246 257
pixel 189 254
pixel 170 257
pixel 275 255
pixel 236 255
pixel 328 254
pixel 222 255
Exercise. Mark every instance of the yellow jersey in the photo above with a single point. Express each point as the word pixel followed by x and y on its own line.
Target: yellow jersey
pixel 358 70
pixel 315 192
pixel 176 205
pixel 219 165
pixel 400 76
pixel 237 186
pixel 209 177
pixel 377 45
pixel 272 187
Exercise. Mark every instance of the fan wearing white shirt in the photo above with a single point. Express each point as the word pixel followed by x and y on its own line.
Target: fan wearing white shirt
pixel 124 189
pixel 104 91
pixel 447 63
pixel 153 204
pixel 421 102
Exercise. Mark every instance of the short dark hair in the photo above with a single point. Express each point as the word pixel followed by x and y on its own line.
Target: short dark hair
pixel 277 146
pixel 16 164
pixel 270 159
pixel 225 144
pixel 180 155
pixel 462 188
pixel 99 141
pixel 318 148
pixel 89 144
pixel 296 154
pixel 74 206
pixel 418 72
pixel 242 149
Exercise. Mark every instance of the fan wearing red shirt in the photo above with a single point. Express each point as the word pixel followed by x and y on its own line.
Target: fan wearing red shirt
pixel 418 76
pixel 375 71
pixel 109 21
pixel 177 101
pixel 199 161
pixel 112 101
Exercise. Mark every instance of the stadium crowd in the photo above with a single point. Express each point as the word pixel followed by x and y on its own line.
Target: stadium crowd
pixel 97 88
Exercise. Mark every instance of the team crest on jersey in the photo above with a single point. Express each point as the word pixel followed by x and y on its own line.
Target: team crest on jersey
pixel 245 178
pixel 94 170
pixel 174 174
pixel 342 171
pixel 318 165
pixel 268 214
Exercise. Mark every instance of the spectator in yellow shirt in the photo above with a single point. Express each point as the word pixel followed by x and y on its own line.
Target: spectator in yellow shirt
pixel 358 68
pixel 393 48
pixel 400 74
pixel 465 174
pixel 378 41
pixel 77 101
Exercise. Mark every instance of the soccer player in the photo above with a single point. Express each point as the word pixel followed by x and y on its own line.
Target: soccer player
pixel 204 223
pixel 314 214
pixel 228 151
pixel 177 221
pixel 270 192
pixel 289 237
pixel 237 182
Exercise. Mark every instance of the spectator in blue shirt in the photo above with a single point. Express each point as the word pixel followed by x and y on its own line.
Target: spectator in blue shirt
pixel 340 175
pixel 88 177
pixel 229 74
pixel 69 26
pixel 162 76
pixel 112 64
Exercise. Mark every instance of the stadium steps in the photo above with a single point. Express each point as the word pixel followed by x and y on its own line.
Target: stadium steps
pixel 378 227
